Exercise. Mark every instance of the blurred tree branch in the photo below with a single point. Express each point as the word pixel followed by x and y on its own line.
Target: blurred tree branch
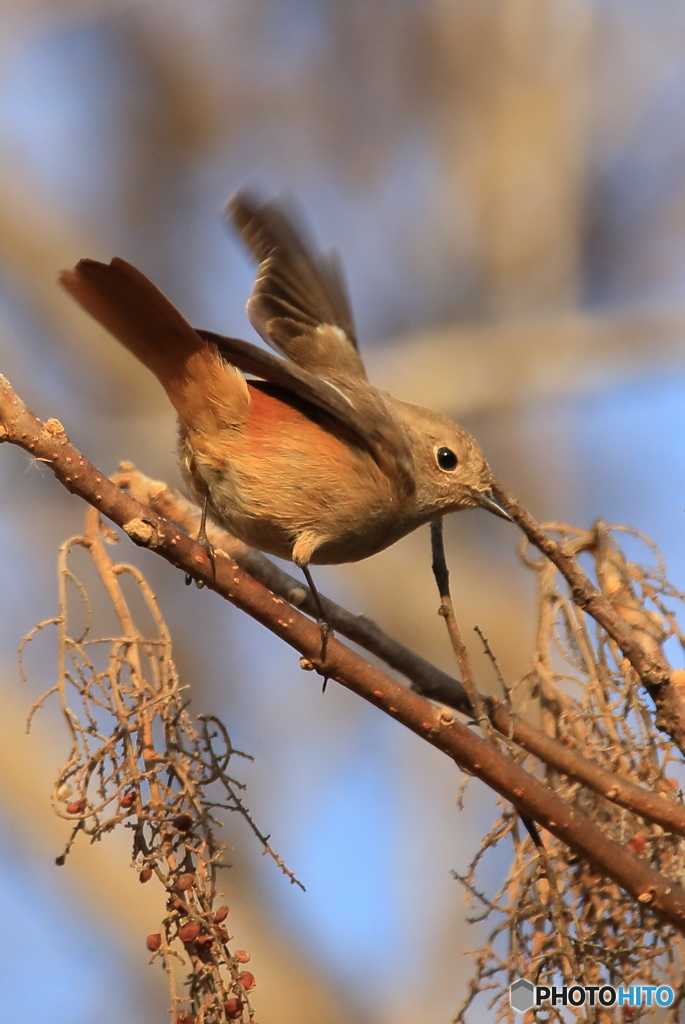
pixel 502 364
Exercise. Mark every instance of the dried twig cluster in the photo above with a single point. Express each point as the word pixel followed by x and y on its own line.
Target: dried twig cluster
pixel 139 760
pixel 559 920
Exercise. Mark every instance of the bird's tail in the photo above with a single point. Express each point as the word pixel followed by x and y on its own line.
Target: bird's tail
pixel 196 378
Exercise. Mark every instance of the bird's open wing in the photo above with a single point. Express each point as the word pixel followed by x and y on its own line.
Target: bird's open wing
pixel 298 304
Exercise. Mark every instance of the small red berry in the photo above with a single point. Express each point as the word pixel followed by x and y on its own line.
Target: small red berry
pixel 185 881
pixel 153 942
pixel 76 807
pixel 242 956
pixel 233 1008
pixel 128 799
pixel 145 875
pixel 247 980
pixel 221 915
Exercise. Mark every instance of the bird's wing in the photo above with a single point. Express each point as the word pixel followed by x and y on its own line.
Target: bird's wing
pixel 364 413
pixel 298 304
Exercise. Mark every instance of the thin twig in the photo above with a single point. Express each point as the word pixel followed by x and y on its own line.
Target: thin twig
pixel 442 579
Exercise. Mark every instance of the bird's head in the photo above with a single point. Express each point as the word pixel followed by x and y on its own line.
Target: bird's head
pixel 450 470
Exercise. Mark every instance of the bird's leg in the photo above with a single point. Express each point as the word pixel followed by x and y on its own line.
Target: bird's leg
pixel 204 540
pixel 303 549
pixel 323 624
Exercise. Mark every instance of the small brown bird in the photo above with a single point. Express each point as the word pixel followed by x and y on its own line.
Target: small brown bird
pixel 307 460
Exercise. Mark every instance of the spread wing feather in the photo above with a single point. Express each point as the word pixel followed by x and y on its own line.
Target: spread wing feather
pixel 298 304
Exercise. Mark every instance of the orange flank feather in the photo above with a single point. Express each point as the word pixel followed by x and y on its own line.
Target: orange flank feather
pixel 208 394
pixel 277 419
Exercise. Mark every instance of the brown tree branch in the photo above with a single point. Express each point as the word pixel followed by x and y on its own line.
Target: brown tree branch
pixel 648 661
pixel 426 679
pixel 619 790
pixel 49 444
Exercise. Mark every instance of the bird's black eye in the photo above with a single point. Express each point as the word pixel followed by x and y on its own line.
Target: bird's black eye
pixel 447 459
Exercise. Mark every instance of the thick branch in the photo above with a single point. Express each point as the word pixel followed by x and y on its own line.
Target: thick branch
pixel 426 679
pixel 619 790
pixel 48 443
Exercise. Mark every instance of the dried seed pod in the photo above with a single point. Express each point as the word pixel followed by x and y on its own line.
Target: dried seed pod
pixel 185 881
pixel 153 942
pixel 183 822
pixel 233 1008
pixel 221 915
pixel 189 932
pixel 145 875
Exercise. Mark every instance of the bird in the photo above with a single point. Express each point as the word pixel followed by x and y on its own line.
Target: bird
pixel 296 453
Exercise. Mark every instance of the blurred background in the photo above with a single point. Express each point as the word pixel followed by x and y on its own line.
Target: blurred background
pixel 505 183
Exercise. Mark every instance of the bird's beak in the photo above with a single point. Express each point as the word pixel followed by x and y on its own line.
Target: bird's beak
pixel 487 500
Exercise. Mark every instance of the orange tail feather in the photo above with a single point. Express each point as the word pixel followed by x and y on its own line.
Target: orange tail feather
pixel 199 383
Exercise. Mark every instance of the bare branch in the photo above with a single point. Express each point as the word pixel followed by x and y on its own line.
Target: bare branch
pixel 48 443
pixel 647 660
